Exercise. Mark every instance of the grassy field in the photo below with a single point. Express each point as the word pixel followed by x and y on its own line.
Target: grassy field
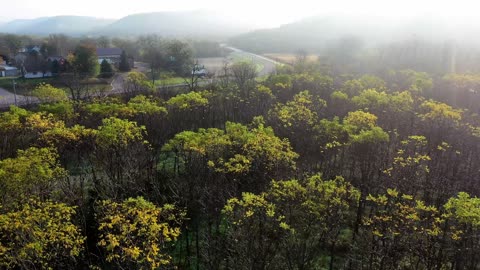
pixel 169 81
pixel 288 58
pixel 25 86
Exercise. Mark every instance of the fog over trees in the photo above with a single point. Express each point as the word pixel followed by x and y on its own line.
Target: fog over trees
pixel 334 142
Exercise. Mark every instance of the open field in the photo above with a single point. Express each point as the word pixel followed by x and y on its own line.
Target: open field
pixel 214 65
pixel 25 86
pixel 288 58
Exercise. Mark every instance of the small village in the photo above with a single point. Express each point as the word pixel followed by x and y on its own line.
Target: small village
pixel 35 61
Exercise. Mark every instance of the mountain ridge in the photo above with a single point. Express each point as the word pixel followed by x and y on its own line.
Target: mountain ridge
pixel 166 23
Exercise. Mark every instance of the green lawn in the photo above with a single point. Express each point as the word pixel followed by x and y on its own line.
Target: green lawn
pixel 169 81
pixel 25 86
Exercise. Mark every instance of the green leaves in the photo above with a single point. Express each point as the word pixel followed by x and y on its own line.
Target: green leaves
pixel 464 209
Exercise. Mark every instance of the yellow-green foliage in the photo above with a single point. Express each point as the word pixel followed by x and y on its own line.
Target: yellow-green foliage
pixel 236 149
pixel 145 105
pixel 49 94
pixel 360 120
pixel 118 133
pixel 39 235
pixel 398 216
pixel 188 101
pixel 136 233
pixel 33 172
pixel 53 132
pixel 440 112
pixel 301 217
pixel 300 111
pixel 12 119
pixel 464 209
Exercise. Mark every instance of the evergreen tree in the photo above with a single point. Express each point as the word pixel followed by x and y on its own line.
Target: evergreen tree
pixel 106 70
pixel 124 65
pixel 55 67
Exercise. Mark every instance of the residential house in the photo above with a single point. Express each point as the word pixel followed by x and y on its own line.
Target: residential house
pixel 8 71
pixel 112 55
pixel 31 48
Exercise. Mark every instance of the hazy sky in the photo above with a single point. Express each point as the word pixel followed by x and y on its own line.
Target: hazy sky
pixel 264 12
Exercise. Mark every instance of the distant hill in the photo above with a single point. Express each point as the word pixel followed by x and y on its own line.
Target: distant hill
pixel 183 23
pixel 70 25
pixel 320 32
pixel 203 24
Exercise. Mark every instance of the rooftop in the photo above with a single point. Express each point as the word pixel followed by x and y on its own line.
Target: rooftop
pixel 108 51
pixel 4 67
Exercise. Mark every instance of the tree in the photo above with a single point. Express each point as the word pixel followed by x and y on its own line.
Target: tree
pixel 137 234
pixel 39 235
pixel 103 42
pixel 106 70
pixel 290 225
pixel 84 60
pixel 180 57
pixel 13 43
pixel 297 118
pixel 34 171
pixel 244 74
pixel 401 232
pixel 55 67
pixel 49 94
pixel 463 215
pixel 124 65
pixel 124 157
pixel 12 130
pixel 137 82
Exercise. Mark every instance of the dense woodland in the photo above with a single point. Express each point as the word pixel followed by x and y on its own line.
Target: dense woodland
pixel 314 167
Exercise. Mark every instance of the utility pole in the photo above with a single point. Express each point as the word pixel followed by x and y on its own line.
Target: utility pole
pixel 14 91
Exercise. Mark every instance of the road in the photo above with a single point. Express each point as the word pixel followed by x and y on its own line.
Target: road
pixel 269 65
pixel 7 99
pixel 215 64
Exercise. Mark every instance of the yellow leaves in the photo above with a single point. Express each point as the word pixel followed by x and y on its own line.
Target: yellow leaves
pixel 33 169
pixel 116 133
pixel 440 112
pixel 392 193
pixel 134 252
pixel 399 216
pixel 249 213
pixel 47 93
pixel 234 150
pixel 39 233
pixel 361 120
pixel 188 101
pixel 136 231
